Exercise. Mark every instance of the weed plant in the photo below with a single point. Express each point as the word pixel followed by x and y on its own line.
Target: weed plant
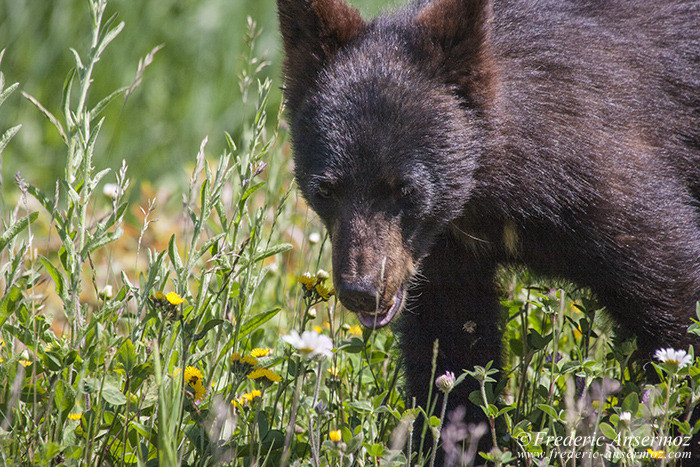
pixel 198 338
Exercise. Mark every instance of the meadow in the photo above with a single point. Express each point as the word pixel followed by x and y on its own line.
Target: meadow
pixel 165 298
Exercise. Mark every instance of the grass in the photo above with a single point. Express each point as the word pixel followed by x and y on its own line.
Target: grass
pixel 155 324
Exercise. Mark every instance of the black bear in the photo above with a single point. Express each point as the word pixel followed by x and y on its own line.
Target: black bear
pixel 453 136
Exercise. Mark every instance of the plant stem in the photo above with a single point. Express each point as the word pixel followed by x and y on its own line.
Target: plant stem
pixel 286 452
pixel 436 439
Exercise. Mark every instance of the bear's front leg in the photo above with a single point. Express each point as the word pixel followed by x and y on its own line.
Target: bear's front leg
pixel 455 302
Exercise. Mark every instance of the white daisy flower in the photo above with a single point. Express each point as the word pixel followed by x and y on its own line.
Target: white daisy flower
pixel 669 355
pixel 111 190
pixel 310 344
pixel 314 238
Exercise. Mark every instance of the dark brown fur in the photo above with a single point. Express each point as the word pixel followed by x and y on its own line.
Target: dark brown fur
pixel 455 136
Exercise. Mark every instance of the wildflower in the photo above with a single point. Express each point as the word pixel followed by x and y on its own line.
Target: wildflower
pixel 75 416
pixel 168 302
pixel 199 391
pixel 625 417
pixel 265 375
pixel 669 355
pixel 25 363
pixel 193 375
pixel 170 298
pixel 677 357
pixel 173 298
pixel 312 313
pixel 334 371
pixel 310 343
pixel 655 454
pixel 356 330
pixel 314 238
pixel 194 379
pixel 324 291
pixel 308 280
pixel 107 292
pixel 246 399
pixel 335 436
pixel 243 364
pixel 111 190
pixel 260 352
pixel 322 275
pixel 446 382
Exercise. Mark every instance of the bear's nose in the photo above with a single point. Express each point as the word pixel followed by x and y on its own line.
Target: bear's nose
pixel 358 296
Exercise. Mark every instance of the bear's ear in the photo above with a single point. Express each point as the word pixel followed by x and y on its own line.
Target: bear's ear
pixel 456 34
pixel 313 31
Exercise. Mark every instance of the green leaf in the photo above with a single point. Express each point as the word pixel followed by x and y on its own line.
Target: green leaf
pixel 173 254
pixel 352 345
pixel 277 249
pixel 126 356
pixel 249 192
pixel 97 110
pixel 48 115
pixel 608 431
pixel 9 302
pixel 109 37
pixel 256 321
pixel 64 398
pixel 67 87
pixel 4 94
pixel 551 411
pixel 58 278
pixel 104 239
pixel 207 327
pixel 14 229
pixel 361 406
pixel 113 396
pixel 7 136
pixel 631 404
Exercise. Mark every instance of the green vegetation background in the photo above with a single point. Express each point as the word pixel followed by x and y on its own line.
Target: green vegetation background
pixel 191 90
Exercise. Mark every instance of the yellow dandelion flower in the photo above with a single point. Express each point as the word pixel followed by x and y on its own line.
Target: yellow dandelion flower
pixel 195 380
pixel 246 399
pixel 159 296
pixel 334 371
pixel 75 416
pixel 307 279
pixel 335 436
pixel 656 454
pixel 25 363
pixel 193 376
pixel 265 375
pixel 356 329
pixel 249 360
pixel 260 352
pixel 199 391
pixel 324 291
pixel 173 298
pixel 242 364
pixel 2 342
pixel 318 329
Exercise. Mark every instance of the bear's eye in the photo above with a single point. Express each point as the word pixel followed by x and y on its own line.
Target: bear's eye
pixel 324 191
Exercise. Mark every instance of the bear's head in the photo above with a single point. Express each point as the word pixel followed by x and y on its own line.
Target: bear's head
pixel 387 129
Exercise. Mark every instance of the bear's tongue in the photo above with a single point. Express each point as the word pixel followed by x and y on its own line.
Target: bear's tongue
pixel 382 317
